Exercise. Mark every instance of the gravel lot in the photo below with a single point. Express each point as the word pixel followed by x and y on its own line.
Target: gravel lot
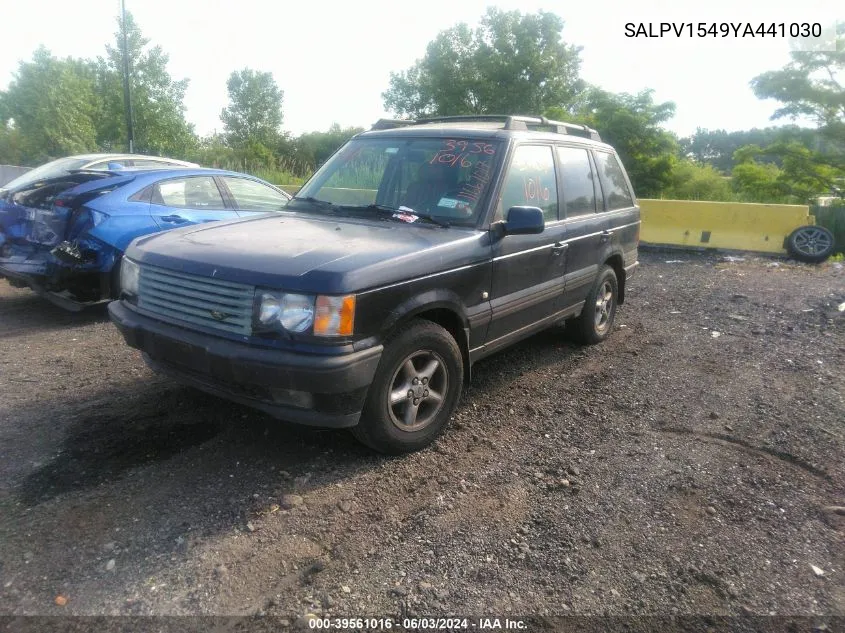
pixel 692 464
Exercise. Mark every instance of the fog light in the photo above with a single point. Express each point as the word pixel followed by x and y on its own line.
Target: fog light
pixel 293 398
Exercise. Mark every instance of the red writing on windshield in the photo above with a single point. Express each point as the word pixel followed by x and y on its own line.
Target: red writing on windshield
pixel 453 160
pixel 478 178
pixel 458 153
pixel 470 147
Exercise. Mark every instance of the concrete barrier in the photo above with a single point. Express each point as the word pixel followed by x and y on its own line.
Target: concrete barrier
pixel 725 225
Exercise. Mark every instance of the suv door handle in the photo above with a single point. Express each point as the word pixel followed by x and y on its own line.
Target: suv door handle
pixel 559 248
pixel 173 219
pixel 606 235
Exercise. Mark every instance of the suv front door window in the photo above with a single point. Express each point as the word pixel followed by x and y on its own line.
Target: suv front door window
pixel 530 182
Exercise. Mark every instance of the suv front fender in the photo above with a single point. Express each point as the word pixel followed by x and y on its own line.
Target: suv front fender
pixel 440 306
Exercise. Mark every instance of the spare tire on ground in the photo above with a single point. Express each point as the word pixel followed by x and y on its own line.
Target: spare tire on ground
pixel 812 244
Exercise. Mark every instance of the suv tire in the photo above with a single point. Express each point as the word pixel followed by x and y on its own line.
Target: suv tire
pixel 812 244
pixel 596 319
pixel 415 390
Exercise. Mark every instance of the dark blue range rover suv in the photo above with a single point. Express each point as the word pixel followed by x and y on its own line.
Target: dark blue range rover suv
pixel 417 249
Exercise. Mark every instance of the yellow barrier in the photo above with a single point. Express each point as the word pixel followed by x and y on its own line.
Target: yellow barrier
pixel 728 225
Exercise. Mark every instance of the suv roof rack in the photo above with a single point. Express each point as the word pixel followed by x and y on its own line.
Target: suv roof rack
pixel 511 122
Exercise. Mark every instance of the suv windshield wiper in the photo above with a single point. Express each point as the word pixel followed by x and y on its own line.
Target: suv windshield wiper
pixel 388 210
pixel 323 204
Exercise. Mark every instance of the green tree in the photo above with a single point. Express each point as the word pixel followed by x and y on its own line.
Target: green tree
pixel 717 147
pixel 758 182
pixel 799 178
pixel 213 151
pixel 314 148
pixel 809 86
pixel 254 114
pixel 11 145
pixel 49 109
pixel 691 181
pixel 512 63
pixel 632 124
pixel 157 99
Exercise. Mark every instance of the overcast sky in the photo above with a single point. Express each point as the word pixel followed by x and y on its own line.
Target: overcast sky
pixel 333 61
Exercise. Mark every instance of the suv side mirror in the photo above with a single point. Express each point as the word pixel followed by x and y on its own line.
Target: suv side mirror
pixel 524 221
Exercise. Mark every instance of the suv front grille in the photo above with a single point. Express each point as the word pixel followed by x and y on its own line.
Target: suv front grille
pixel 204 301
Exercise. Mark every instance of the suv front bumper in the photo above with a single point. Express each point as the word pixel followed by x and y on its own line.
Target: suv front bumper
pixel 318 390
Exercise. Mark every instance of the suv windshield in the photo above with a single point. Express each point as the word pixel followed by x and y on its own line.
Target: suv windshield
pixel 444 179
pixel 52 169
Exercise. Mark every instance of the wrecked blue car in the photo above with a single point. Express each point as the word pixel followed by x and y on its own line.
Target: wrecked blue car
pixel 64 237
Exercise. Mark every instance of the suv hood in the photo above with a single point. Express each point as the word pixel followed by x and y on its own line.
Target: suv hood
pixel 310 254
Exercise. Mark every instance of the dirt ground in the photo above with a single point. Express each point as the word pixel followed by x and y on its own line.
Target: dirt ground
pixel 692 464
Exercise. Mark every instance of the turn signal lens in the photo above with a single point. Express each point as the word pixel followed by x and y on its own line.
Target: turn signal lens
pixel 334 316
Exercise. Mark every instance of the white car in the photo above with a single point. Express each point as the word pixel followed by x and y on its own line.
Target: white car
pixel 62 166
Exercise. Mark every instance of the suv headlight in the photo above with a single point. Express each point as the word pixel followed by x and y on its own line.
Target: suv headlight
pixel 293 312
pixel 129 275
pixel 320 315
pixel 296 312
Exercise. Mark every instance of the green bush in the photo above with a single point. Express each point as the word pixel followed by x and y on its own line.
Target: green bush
pixel 690 181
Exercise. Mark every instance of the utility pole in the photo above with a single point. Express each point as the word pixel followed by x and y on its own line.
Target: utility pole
pixel 127 101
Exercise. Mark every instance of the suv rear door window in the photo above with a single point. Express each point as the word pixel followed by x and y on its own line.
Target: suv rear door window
pixel 579 195
pixel 616 189
pixel 530 182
